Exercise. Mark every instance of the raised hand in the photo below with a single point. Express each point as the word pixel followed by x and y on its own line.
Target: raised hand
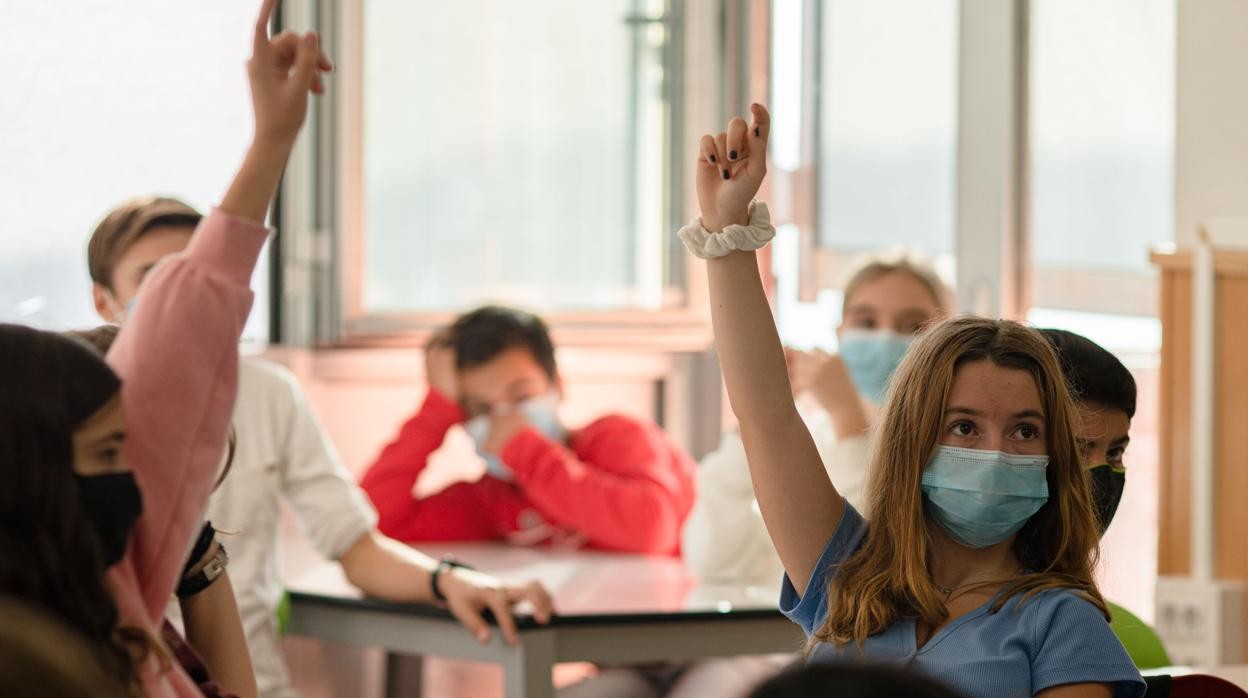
pixel 731 167
pixel 825 377
pixel 282 71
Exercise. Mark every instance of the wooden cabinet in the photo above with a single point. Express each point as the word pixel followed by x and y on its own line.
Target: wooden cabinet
pixel 1231 414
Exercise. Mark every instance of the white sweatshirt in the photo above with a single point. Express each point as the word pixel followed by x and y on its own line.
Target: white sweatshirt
pixel 724 537
pixel 282 454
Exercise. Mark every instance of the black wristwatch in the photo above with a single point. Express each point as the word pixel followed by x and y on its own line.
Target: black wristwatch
pixel 192 585
pixel 445 564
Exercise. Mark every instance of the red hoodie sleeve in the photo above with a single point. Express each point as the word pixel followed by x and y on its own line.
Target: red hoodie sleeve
pixel 452 514
pixel 625 487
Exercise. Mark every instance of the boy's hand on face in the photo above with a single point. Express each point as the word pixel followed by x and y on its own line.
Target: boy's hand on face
pixel 503 428
pixel 440 370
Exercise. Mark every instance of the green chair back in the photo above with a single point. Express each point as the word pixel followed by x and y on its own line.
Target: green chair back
pixel 283 613
pixel 1139 638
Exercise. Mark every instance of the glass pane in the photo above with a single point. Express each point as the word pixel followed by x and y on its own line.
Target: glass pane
pixel 515 152
pixel 888 123
pixel 1102 131
pixel 103 103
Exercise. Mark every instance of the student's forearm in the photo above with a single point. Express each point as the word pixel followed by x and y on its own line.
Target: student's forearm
pixel 214 629
pixel 255 185
pixel 388 569
pixel 799 503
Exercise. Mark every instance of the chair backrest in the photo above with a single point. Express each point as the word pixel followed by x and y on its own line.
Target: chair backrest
pixel 1204 686
pixel 1140 640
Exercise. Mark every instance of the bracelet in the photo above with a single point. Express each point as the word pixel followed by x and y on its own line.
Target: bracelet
pixel 446 564
pixel 202 545
pixel 707 245
pixel 190 586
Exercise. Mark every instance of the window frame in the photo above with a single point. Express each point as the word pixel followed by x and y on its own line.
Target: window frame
pixel 322 202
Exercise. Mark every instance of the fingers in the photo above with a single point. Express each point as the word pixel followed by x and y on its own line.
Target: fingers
pixel 706 152
pixel 721 152
pixel 501 606
pixel 260 43
pixel 471 618
pixel 760 130
pixel 307 58
pixel 737 145
pixel 538 598
pixel 284 48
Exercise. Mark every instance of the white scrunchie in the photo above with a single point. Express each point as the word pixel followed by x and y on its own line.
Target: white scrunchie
pixel 707 245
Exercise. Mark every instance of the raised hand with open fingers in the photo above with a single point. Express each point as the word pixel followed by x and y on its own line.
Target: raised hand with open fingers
pixel 282 71
pixel 731 167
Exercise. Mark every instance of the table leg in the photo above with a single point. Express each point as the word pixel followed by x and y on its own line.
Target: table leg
pixel 404 675
pixel 527 668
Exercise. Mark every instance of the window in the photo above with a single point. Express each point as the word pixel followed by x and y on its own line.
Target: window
pixel 514 152
pixel 887 123
pixel 1101 151
pixel 106 103
pixel 864 148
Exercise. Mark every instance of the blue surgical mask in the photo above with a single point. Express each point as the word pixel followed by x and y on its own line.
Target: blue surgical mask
pixel 871 357
pixel 119 318
pixel 542 413
pixel 980 498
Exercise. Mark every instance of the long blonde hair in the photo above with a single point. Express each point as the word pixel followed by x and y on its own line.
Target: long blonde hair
pixel 887 579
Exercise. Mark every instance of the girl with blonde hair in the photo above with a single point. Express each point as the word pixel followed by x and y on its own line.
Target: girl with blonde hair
pixel 976 567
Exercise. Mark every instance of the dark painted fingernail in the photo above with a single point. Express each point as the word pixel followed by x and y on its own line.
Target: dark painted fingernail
pixel 712 158
pixel 756 134
pixel 726 175
pixel 732 155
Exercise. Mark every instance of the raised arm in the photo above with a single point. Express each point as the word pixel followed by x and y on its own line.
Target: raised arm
pixel 178 354
pixel 800 506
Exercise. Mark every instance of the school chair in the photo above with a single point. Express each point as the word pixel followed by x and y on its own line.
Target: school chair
pixel 1139 639
pixel 1192 686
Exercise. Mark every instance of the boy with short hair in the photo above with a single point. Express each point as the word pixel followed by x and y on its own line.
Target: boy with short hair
pixel 1105 392
pixel 283 453
pixel 618 483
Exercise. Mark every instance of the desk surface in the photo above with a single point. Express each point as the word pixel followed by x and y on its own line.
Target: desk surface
pixel 588 587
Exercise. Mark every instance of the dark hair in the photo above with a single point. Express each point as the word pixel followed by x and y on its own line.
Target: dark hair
pixel 1094 374
pixel 49 554
pixel 128 222
pixel 850 681
pixel 481 335
pixel 41 657
pixel 101 340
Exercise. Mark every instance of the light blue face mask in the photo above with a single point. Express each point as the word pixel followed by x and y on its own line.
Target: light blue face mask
pixel 119 318
pixel 980 498
pixel 871 357
pixel 540 412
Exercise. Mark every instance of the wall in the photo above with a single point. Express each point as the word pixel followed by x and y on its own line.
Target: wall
pixel 1211 159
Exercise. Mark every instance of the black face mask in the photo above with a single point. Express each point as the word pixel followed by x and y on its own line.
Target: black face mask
pixel 112 503
pixel 1107 485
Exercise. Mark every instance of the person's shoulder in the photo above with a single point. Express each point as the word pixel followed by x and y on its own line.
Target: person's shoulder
pixel 258 375
pixel 1056 613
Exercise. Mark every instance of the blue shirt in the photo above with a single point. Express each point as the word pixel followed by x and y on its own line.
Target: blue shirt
pixel 1055 638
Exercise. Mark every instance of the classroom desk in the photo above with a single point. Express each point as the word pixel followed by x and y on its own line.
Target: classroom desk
pixel 611 609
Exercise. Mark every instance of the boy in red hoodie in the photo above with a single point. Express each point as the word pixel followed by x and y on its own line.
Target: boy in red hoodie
pixel 615 484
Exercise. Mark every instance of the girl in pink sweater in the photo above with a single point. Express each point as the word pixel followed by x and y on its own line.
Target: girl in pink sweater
pixel 108 471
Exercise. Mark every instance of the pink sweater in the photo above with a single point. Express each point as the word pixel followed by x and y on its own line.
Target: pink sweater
pixel 178 361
